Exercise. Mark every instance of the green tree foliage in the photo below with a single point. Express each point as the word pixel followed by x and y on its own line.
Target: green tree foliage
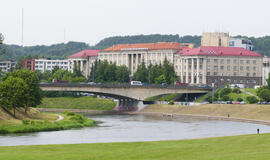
pixel 2 50
pixel 224 91
pixel 142 73
pixel 161 79
pixel 122 74
pixel 168 71
pixel 34 96
pixel 252 99
pixel 104 72
pixel 265 95
pixel 14 93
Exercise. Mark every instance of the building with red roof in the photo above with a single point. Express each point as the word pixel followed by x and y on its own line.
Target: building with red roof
pixel 83 60
pixel 131 55
pixel 219 66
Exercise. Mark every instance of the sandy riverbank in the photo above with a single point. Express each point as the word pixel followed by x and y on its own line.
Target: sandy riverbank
pixel 242 113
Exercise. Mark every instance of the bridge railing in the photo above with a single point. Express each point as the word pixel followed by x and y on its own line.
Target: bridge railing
pixel 125 85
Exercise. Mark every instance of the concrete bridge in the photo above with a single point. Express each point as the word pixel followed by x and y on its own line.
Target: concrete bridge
pixel 128 95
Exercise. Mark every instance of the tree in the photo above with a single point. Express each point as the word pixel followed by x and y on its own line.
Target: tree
pixel 110 72
pixel 168 71
pixel 14 93
pixel 252 99
pixel 33 94
pixel 55 68
pixel 265 95
pixel 161 79
pixel 122 74
pixel 141 74
pixel 2 50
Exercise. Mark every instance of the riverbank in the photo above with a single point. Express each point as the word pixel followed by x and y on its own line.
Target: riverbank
pixel 251 113
pixel 88 111
pixel 34 121
pixel 245 147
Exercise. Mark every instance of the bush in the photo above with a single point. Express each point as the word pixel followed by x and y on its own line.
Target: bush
pixel 265 95
pixel 25 122
pixel 171 102
pixel 68 113
pixel 236 90
pixel 224 91
pixel 226 98
pixel 239 99
pixel 252 99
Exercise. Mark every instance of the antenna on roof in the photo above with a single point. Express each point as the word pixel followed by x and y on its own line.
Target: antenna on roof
pixel 22 25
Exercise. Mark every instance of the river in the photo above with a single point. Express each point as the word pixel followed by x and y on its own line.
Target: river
pixel 133 128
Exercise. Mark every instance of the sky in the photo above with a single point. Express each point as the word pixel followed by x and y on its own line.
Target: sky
pixel 49 22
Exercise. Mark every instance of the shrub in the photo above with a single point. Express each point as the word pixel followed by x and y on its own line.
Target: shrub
pixel 25 122
pixel 252 99
pixel 226 98
pixel 236 90
pixel 265 94
pixel 68 113
pixel 239 99
pixel 224 91
pixel 171 102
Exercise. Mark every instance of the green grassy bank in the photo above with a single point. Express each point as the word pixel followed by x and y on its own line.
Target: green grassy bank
pixel 246 147
pixel 71 120
pixel 84 102
pixel 166 97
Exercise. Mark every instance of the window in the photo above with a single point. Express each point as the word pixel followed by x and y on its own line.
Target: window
pixel 234 73
pixel 247 68
pixel 241 81
pixel 215 73
pixel 247 61
pixel 215 67
pixel 254 68
pixel 221 67
pixel 208 73
pixel 221 61
pixel 235 68
pixel 241 68
pixel 208 60
pixel 228 68
pixel 228 74
pixel 234 61
pixel 235 81
pixel 228 80
pixel 215 61
pixel 247 74
pixel 228 61
pixel 241 61
pixel 254 74
pixel 241 73
pixel 208 67
pixel 254 61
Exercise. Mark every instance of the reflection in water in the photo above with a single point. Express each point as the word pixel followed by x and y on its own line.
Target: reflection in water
pixel 130 128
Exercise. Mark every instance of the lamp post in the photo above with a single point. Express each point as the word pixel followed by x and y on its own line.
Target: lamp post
pixel 213 86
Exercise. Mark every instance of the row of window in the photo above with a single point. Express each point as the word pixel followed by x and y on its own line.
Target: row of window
pixel 52 62
pixel 235 68
pixel 241 81
pixel 228 61
pixel 234 74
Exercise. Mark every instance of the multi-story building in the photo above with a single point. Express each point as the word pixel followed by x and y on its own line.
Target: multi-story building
pixel 83 60
pixel 215 39
pixel 29 63
pixel 7 66
pixel 131 55
pixel 219 65
pixel 266 70
pixel 241 42
pixel 48 64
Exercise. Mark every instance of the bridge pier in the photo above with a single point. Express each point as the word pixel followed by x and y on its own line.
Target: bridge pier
pixel 129 105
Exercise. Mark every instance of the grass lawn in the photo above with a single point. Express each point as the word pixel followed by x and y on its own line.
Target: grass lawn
pixel 246 147
pixel 242 95
pixel 84 102
pixel 251 90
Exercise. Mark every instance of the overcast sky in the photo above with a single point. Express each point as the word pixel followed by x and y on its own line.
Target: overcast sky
pixel 46 21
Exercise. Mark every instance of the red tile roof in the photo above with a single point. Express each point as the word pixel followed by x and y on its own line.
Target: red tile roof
pixel 218 51
pixel 85 53
pixel 146 46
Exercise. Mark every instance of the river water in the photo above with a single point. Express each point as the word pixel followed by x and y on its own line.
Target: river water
pixel 133 128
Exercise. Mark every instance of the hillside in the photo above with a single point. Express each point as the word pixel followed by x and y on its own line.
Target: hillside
pixel 62 51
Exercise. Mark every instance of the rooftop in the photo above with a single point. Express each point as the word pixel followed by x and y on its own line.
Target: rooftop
pixel 218 51
pixel 147 46
pixel 85 53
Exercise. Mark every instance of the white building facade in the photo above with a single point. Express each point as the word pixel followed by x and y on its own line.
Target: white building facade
pixel 266 70
pixel 7 66
pixel 242 43
pixel 47 64
pixel 132 55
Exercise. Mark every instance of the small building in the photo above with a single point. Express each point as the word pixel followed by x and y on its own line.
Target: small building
pixel 7 65
pixel 241 42
pixel 83 60
pixel 215 39
pixel 266 70
pixel 48 64
pixel 29 64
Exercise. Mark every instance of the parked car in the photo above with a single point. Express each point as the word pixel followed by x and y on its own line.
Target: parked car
pixel 243 102
pixel 91 83
pixel 236 102
pixel 136 83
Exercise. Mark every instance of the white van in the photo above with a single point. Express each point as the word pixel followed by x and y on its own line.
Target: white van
pixel 136 83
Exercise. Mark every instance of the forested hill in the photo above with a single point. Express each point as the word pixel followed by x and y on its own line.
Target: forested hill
pixel 62 51
pixel 107 42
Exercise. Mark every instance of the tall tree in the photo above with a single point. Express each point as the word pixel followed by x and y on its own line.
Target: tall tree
pixel 122 74
pixel 142 73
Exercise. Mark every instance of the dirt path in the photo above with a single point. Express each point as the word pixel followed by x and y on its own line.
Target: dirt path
pixel 59 118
